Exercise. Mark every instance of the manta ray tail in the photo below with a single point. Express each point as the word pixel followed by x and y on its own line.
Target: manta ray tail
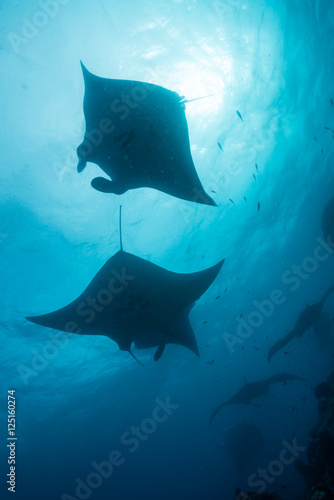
pixel 120 227
pixel 185 101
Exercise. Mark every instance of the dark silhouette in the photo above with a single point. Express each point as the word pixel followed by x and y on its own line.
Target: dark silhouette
pixel 132 300
pixel 137 133
pixel 253 390
pixel 307 318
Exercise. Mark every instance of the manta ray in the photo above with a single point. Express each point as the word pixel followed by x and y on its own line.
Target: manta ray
pixel 131 300
pixel 243 441
pixel 253 390
pixel 137 133
pixel 307 318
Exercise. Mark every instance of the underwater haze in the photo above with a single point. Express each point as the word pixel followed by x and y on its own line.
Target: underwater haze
pixel 91 422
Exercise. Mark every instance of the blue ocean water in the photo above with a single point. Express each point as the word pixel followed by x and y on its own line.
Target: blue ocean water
pixel 77 397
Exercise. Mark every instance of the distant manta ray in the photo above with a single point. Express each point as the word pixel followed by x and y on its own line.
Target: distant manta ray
pixel 131 300
pixel 137 133
pixel 307 318
pixel 253 390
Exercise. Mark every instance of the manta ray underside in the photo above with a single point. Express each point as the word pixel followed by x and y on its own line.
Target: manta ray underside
pixel 137 134
pixel 131 300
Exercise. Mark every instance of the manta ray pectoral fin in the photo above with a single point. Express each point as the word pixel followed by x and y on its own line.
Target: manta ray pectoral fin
pixel 105 186
pixel 159 352
pixel 183 332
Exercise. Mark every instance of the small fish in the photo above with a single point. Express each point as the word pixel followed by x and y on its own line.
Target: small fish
pixel 245 199
pixel 332 102
pixel 322 151
pixel 286 352
pixel 258 206
pixel 220 147
pixel 328 128
pixel 231 201
pixel 239 114
pixel 212 191
pixel 257 168
pixel 209 362
pixel 314 137
pixel 218 297
pixel 240 315
pixel 254 177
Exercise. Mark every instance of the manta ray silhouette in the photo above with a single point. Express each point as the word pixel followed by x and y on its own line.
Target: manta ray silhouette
pixel 137 134
pixel 253 390
pixel 131 300
pixel 307 318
